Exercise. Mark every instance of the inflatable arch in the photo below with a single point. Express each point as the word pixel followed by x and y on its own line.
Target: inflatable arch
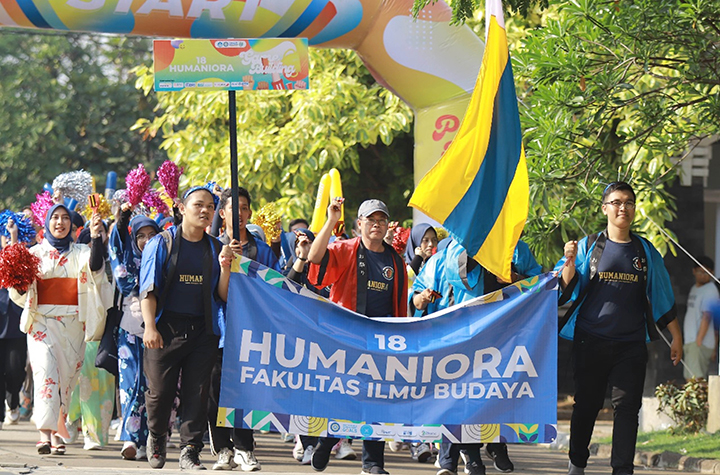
pixel 428 63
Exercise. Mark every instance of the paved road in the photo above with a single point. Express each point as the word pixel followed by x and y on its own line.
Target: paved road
pixel 18 456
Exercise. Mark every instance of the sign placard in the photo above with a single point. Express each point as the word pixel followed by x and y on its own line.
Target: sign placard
pixel 481 371
pixel 231 64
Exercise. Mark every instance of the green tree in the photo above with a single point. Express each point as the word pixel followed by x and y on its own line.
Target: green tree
pixel 68 102
pixel 613 91
pixel 288 139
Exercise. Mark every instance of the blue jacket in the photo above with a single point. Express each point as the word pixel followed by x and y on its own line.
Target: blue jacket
pixel 155 264
pixel 441 272
pixel 658 288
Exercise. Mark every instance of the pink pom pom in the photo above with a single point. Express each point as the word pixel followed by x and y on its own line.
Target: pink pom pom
pixel 137 183
pixel 152 199
pixel 41 206
pixel 169 177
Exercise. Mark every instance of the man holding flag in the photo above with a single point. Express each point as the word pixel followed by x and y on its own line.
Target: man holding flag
pixel 483 172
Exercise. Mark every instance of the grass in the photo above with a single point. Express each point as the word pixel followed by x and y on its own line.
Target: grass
pixel 695 445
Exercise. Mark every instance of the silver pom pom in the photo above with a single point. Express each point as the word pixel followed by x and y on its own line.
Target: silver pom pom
pixel 76 185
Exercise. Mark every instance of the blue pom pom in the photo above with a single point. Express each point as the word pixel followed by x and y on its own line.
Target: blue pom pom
pixel 26 231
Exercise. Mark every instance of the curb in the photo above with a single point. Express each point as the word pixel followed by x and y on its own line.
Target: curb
pixel 664 460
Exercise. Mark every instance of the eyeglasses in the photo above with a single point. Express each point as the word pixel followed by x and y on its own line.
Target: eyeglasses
pixel 619 204
pixel 379 222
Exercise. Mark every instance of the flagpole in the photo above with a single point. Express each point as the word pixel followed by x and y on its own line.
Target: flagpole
pixel 234 165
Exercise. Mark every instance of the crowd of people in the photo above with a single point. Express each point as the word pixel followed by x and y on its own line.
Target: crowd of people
pixel 170 281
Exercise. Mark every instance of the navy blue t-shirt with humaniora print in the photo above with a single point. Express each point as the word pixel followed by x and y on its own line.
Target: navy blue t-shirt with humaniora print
pixel 381 274
pixel 186 291
pixel 615 305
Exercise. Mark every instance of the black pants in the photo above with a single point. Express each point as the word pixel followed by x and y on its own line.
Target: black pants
pixel 598 363
pixel 373 453
pixel 224 437
pixel 13 356
pixel 449 454
pixel 187 347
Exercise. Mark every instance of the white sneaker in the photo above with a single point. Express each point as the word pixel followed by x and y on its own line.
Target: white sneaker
pixel 12 416
pixel 298 450
pixel 287 438
pixel 141 453
pixel 73 429
pixel 307 455
pixel 395 445
pixel 246 460
pixel 91 445
pixel 421 452
pixel 224 460
pixel 345 451
pixel 129 450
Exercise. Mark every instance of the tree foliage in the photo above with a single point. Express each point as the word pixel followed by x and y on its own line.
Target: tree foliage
pixel 68 102
pixel 464 10
pixel 288 139
pixel 613 91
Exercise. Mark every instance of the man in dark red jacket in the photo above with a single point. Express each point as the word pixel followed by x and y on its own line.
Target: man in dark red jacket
pixel 368 277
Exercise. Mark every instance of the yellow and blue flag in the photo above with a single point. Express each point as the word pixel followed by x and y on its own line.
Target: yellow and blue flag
pixel 479 188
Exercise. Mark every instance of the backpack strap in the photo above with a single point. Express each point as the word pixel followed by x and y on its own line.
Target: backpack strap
pixel 652 329
pixel 173 247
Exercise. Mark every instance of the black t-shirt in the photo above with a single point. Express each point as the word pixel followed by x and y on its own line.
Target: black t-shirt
pixel 9 317
pixel 615 306
pixel 381 274
pixel 186 291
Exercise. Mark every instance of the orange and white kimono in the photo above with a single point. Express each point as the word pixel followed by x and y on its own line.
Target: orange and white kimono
pixel 61 310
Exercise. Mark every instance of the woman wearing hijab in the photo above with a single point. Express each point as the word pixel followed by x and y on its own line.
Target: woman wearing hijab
pixel 421 245
pixel 126 255
pixel 68 298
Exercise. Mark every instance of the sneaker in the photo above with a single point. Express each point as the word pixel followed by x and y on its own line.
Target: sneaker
pixel 473 468
pixel 499 455
pixel 91 445
pixel 141 453
pixel 129 450
pixel 156 450
pixel 224 460
pixel 575 470
pixel 246 460
pixel 421 452
pixel 307 455
pixel 445 471
pixel 73 429
pixel 298 450
pixel 396 445
pixel 319 460
pixel 287 438
pixel 190 458
pixel 11 417
pixel 345 451
pixel 374 470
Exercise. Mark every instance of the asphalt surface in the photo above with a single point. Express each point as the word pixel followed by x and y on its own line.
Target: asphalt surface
pixel 19 456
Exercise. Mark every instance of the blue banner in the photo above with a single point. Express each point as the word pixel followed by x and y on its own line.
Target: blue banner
pixel 481 371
